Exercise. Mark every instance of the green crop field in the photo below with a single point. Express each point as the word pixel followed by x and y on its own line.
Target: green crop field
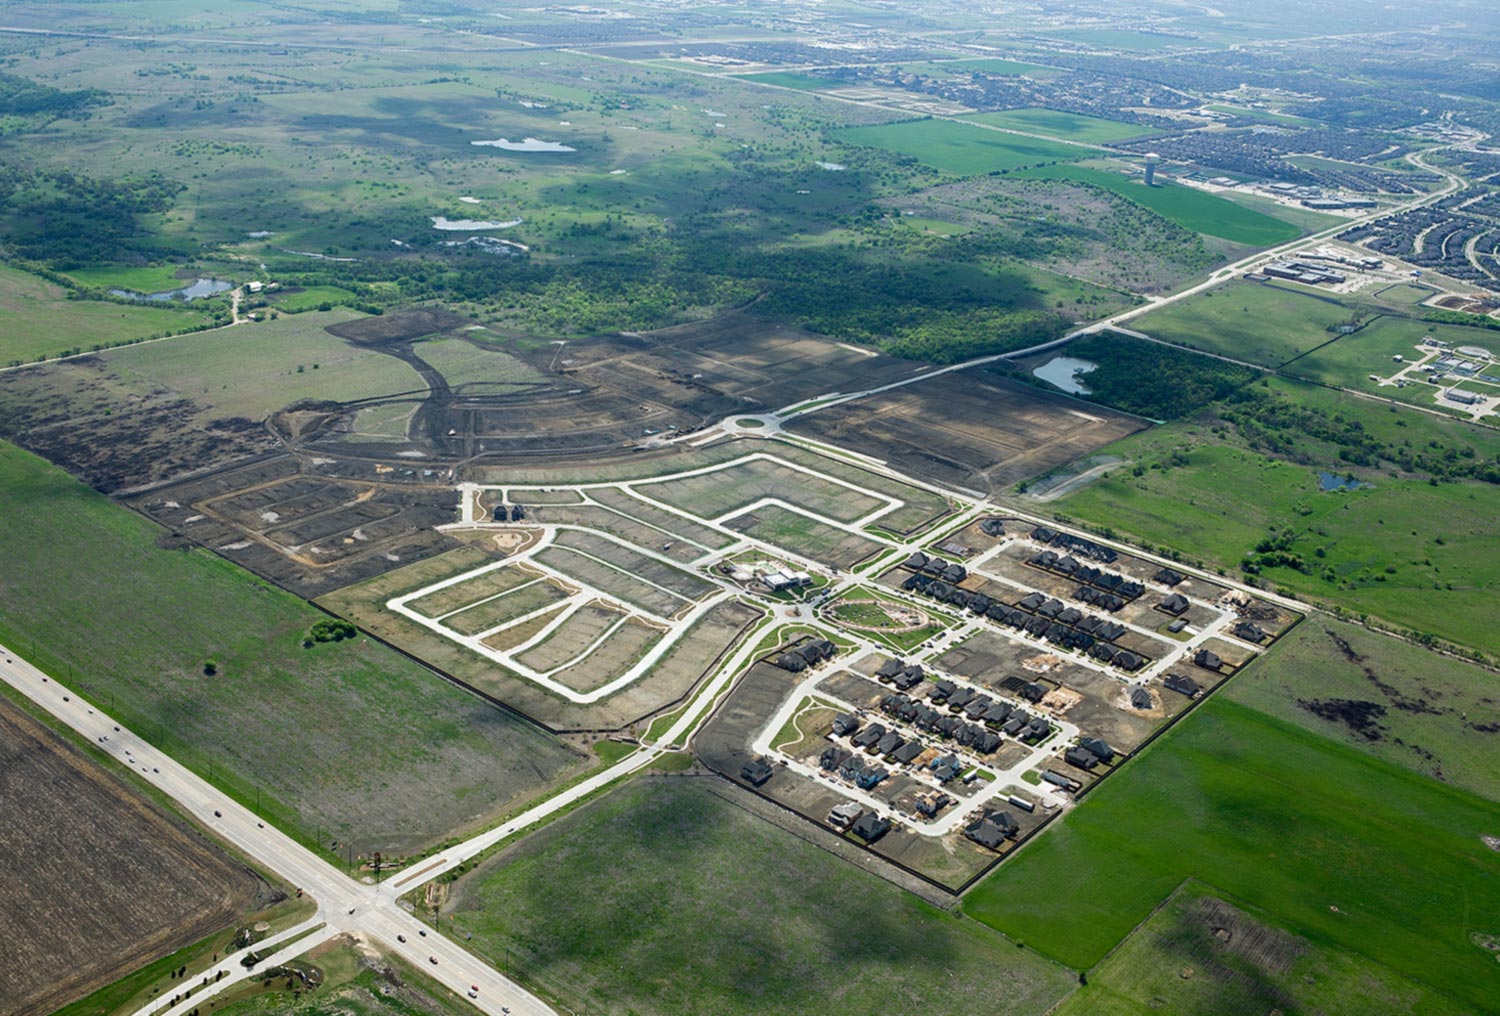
pixel 1063 126
pixel 349 737
pixel 1202 955
pixel 790 79
pixel 663 898
pixel 1254 322
pixel 37 320
pixel 1193 209
pixel 959 148
pixel 1339 848
pixel 1418 556
pixel 254 369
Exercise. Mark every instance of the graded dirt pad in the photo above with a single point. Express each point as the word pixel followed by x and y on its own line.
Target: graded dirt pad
pixel 510 606
pixel 471 591
pixel 972 428
pixel 299 523
pixel 700 650
pixel 607 520
pixel 98 881
pixel 611 658
pixel 628 559
pixel 620 585
pixel 575 635
pixel 675 525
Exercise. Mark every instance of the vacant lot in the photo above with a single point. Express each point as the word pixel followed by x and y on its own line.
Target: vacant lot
pixel 965 149
pixel 973 429
pixel 663 876
pixel 726 491
pixel 1063 126
pixel 350 737
pixel 813 540
pixel 1196 210
pixel 99 881
pixel 37 320
pixel 1333 845
pixel 1201 955
pixel 1250 321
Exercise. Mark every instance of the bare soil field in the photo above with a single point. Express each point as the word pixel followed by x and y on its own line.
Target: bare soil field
pixel 467 593
pixel 814 540
pixel 726 491
pixel 627 559
pixel 581 630
pixel 973 429
pixel 621 585
pixel 612 658
pixel 607 520
pixel 681 528
pixel 508 606
pixel 99 881
pixel 713 637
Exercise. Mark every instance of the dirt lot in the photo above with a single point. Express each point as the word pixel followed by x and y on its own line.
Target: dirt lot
pixel 110 882
pixel 973 429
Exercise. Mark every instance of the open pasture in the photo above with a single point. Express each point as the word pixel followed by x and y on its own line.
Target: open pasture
pixel 961 148
pixel 732 489
pixel 555 903
pixel 1197 210
pixel 67 890
pixel 431 756
pixel 1329 843
pixel 1063 126
pixel 808 537
pixel 1255 322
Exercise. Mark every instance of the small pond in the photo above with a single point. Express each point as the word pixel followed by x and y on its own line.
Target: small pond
pixel 199 288
pixel 1333 481
pixel 1063 372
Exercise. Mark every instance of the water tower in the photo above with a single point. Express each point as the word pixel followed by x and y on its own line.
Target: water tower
pixel 1151 161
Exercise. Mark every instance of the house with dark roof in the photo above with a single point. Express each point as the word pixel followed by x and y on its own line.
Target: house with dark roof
pixel 980 603
pixel 955 573
pixel 833 758
pixel 1098 748
pixel 792 661
pixel 987 742
pixel 915 583
pixel 992 526
pixel 872 777
pixel 976 707
pixel 1031 601
pixel 1182 685
pixel 940 691
pixel 1140 698
pixel 1168 577
pixel 869 737
pixel 927 718
pixel 907 753
pixel 1129 661
pixel 889 669
pixel 987 832
pixel 1042 534
pixel 1013 726
pixel 845 814
pixel 845 724
pixel 1111 630
pixel 1208 660
pixel 1033 691
pixel 1175 604
pixel 870 827
pixel 945 768
pixel 755 772
pixel 1251 632
pixel 1050 609
pixel 947 726
pixel 1080 759
pixel 1036 730
pixel 960 697
pixel 917 561
pixel 998 712
pixel 889 743
pixel 1103 652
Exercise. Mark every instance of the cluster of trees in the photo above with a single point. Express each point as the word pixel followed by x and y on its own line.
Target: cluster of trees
pixel 23 97
pixel 1154 380
pixel 71 220
pixel 331 630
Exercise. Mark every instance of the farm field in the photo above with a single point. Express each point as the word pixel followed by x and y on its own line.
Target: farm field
pixel 960 148
pixel 1201 955
pixel 1194 209
pixel 1063 126
pixel 38 321
pixel 91 591
pixel 701 883
pixel 1338 848
pixel 67 891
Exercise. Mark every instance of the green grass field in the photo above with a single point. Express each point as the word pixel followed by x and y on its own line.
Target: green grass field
pixel 1436 714
pixel 150 279
pixel 1257 323
pixel 960 148
pixel 37 320
pixel 1341 849
pixel 311 298
pixel 1062 126
pixel 663 898
pixel 1193 209
pixel 254 369
pixel 350 737
pixel 790 79
pixel 1178 962
pixel 1416 555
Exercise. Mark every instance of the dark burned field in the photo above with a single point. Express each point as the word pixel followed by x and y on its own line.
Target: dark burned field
pixel 974 429
pixel 111 882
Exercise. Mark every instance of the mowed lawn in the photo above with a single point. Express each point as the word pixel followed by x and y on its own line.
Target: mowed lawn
pixel 1192 209
pixel 1249 321
pixel 960 148
pixel 1064 126
pixel 663 899
pixel 37 320
pixel 1340 848
pixel 351 737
